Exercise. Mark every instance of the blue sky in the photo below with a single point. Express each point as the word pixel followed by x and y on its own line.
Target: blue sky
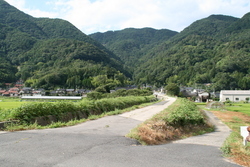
pixel 102 15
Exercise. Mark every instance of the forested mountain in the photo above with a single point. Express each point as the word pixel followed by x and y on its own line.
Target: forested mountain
pixel 49 53
pixel 35 49
pixel 211 50
pixel 132 44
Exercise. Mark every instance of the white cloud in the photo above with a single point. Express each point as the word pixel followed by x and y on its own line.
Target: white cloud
pixel 18 4
pixel 22 5
pixel 102 15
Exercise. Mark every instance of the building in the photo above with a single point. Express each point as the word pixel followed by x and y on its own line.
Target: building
pixel 234 95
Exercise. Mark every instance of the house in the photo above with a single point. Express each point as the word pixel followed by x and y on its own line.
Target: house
pixel 13 92
pixel 83 92
pixel 61 92
pixel 38 92
pixel 186 89
pixel 70 92
pixel 234 95
pixel 2 91
pixel 203 96
pixel 53 93
pixel 8 85
pixel 7 93
pixel 26 91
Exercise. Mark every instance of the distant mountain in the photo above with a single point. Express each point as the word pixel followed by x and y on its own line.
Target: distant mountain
pixel 30 46
pixel 211 50
pixel 239 30
pixel 50 53
pixel 40 28
pixel 132 44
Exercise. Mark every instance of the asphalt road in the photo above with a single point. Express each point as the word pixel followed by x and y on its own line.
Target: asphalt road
pixel 101 143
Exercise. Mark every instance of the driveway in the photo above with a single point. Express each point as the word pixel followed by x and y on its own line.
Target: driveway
pixel 101 143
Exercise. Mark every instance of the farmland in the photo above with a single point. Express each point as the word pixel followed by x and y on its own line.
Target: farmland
pixel 234 115
pixel 8 103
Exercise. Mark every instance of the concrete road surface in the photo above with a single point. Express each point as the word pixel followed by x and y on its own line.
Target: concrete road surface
pixel 101 143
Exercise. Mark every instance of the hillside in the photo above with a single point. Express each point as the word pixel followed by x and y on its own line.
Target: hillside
pixel 132 44
pixel 35 46
pixel 208 51
pixel 51 53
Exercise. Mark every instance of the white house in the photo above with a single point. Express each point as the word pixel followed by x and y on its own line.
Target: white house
pixel 234 95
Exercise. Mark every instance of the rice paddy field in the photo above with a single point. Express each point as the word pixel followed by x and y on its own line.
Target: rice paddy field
pixel 8 103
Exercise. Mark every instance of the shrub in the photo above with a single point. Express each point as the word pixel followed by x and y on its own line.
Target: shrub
pixel 94 95
pixel 185 114
pixel 29 112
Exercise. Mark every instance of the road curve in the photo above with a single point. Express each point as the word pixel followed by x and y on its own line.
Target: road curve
pixel 101 143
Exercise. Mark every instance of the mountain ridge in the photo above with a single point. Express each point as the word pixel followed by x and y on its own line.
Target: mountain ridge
pixel 28 43
pixel 214 50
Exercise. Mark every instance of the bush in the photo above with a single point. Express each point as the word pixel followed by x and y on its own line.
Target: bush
pixel 185 114
pixel 59 110
pixel 94 95
pixel 29 112
pixel 120 93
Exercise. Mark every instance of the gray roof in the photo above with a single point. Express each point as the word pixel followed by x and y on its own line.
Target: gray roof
pixel 245 92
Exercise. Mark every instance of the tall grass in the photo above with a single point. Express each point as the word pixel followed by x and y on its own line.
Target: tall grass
pixel 29 112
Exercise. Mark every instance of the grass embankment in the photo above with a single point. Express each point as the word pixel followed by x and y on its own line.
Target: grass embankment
pixel 57 114
pixel 235 115
pixel 180 120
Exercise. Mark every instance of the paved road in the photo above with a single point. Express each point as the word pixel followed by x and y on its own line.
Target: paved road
pixel 101 143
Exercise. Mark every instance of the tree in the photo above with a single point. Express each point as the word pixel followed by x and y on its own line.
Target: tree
pixel 172 89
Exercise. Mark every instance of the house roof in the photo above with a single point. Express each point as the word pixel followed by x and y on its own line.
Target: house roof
pixel 14 89
pixel 2 91
pixel 16 92
pixel 27 88
pixel 70 90
pixel 245 92
pixel 19 85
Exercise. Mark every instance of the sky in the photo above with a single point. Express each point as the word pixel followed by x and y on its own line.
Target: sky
pixel 92 16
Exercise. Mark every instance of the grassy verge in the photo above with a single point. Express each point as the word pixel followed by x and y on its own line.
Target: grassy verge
pixel 180 120
pixel 92 109
pixel 235 115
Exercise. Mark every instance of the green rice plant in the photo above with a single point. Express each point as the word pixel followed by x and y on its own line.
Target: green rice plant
pixel 240 107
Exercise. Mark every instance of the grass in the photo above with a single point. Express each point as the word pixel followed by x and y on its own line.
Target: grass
pixel 239 107
pixel 235 115
pixel 180 120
